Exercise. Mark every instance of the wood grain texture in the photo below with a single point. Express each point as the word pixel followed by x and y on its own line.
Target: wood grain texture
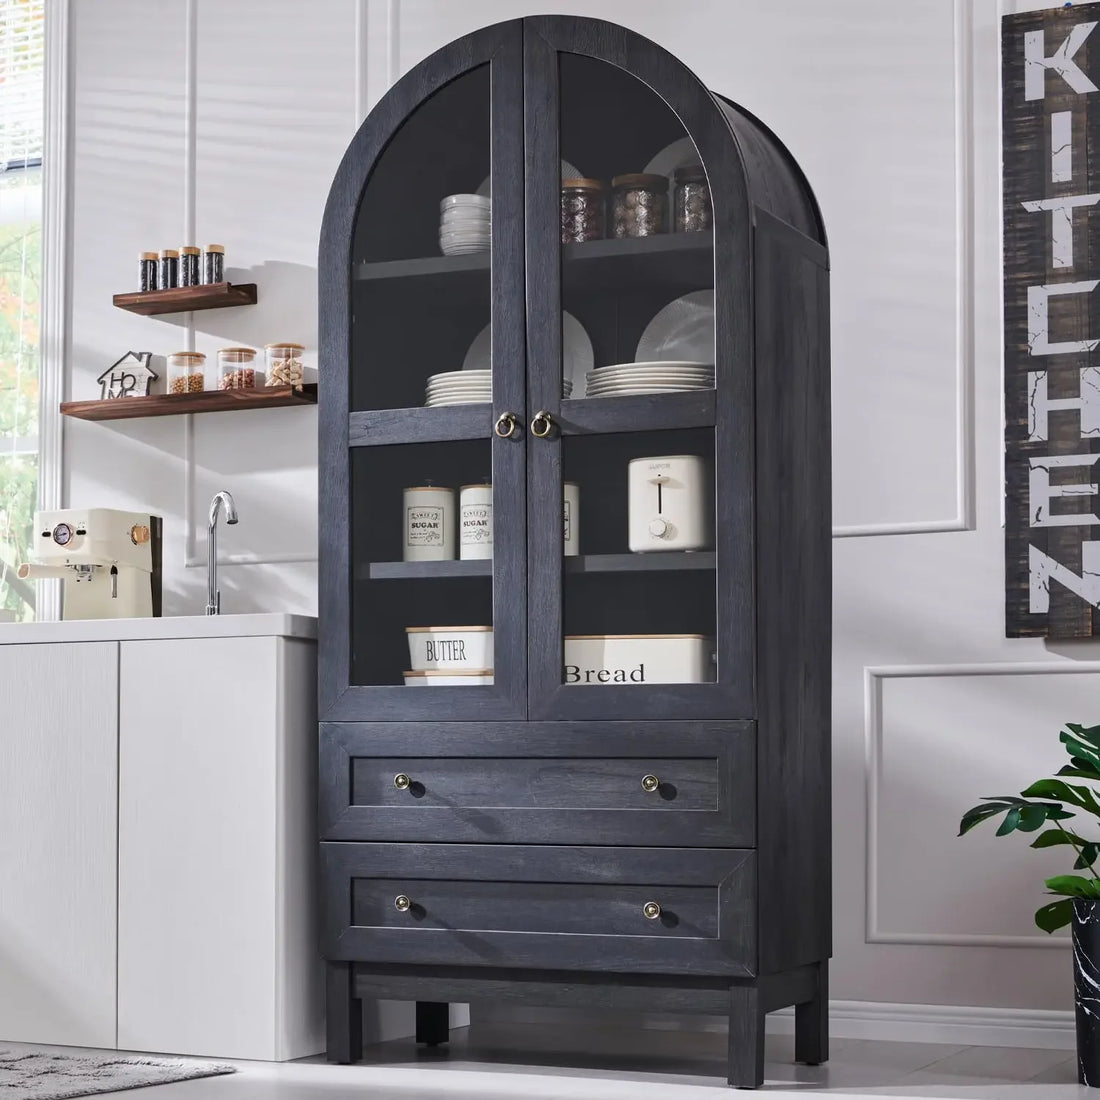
pixel 745 1043
pixel 185 299
pixel 134 408
pixel 573 782
pixel 502 868
pixel 794 587
pixel 58 843
pixel 1028 261
pixel 343 1014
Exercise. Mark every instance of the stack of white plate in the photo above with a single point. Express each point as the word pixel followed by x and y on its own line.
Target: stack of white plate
pixel 624 379
pixel 465 224
pixel 466 387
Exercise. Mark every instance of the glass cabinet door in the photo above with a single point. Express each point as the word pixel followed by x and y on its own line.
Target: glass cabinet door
pixel 436 590
pixel 637 561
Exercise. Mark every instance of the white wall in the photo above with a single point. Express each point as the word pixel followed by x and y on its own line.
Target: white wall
pixel 892 109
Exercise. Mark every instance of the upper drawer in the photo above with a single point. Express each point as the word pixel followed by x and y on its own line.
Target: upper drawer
pixel 652 783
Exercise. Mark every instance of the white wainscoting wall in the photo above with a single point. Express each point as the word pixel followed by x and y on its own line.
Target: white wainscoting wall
pixel 202 120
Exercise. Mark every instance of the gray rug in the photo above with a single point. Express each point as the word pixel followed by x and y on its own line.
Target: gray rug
pixel 43 1075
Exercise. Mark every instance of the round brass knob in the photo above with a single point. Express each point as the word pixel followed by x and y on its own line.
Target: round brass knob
pixel 651 910
pixel 541 424
pixel 650 783
pixel 139 534
pixel 505 425
pixel 401 781
pixel 402 903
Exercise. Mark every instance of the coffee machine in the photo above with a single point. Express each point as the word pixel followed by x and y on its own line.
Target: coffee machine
pixel 110 561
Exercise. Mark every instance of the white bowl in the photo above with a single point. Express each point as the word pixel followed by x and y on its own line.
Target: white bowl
pixel 462 249
pixel 482 202
pixel 444 678
pixel 638 659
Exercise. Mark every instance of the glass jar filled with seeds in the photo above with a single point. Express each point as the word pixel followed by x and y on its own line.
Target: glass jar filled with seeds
pixel 237 369
pixel 582 210
pixel 284 364
pixel 189 265
pixel 186 373
pixel 169 268
pixel 692 211
pixel 639 205
pixel 147 271
pixel 213 263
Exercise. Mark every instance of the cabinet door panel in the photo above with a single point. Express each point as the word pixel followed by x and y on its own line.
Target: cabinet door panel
pixel 58 843
pixel 663 784
pixel 638 910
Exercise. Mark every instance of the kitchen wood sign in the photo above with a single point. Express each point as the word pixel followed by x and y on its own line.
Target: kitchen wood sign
pixel 1051 142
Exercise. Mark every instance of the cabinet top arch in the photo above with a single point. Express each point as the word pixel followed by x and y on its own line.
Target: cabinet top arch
pixel 747 163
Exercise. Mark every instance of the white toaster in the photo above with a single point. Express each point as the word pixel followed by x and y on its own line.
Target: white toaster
pixel 667 503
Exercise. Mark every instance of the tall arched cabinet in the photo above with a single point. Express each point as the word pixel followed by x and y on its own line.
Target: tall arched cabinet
pixel 649 845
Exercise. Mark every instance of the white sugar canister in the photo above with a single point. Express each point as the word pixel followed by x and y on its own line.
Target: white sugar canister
pixel 429 523
pixel 571 519
pixel 475 521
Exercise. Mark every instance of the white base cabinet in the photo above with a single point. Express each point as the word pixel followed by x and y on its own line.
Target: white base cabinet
pixel 163 787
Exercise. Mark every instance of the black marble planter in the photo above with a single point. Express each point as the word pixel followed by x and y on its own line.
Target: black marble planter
pixel 1086 988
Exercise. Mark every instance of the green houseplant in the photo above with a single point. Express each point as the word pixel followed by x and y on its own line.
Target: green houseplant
pixel 1053 802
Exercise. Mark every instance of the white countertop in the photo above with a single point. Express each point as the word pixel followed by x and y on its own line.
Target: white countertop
pixel 273 624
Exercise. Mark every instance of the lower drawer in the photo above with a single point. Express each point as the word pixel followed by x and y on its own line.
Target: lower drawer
pixel 643 910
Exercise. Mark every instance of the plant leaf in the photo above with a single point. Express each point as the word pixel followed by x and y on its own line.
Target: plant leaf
pixel 1078 771
pixel 1080 748
pixel 1055 915
pixel 1054 837
pixel 1064 792
pixel 1074 886
pixel 1089 851
pixel 1011 821
pixel 977 814
pixel 1031 817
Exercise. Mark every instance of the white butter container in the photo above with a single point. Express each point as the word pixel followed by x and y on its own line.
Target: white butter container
pixel 638 659
pixel 460 648
pixel 447 678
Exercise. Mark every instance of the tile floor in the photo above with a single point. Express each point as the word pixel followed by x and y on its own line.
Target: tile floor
pixel 610 1063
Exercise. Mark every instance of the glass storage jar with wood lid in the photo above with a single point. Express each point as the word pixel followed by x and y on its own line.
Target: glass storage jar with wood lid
pixel 581 210
pixel 639 205
pixel 186 373
pixel 237 369
pixel 691 204
pixel 284 364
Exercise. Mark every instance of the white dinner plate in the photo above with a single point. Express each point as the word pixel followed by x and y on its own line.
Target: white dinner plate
pixel 436 402
pixel 462 249
pixel 683 330
pixel 599 376
pixel 659 364
pixel 672 384
pixel 568 172
pixel 576 351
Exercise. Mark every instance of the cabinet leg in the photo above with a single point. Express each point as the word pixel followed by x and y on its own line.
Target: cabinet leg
pixel 344 1015
pixel 745 1065
pixel 432 1022
pixel 811 1023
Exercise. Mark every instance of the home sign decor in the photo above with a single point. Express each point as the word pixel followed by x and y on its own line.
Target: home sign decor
pixel 128 377
pixel 1051 142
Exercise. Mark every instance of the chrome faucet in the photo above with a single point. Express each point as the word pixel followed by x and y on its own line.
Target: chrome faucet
pixel 213 596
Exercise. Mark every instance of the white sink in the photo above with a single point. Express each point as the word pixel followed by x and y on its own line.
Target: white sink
pixel 265 624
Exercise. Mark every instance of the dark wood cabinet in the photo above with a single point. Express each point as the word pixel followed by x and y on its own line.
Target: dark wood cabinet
pixel 534 838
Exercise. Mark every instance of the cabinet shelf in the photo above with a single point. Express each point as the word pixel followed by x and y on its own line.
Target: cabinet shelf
pixel 671 562
pixel 671 260
pixel 182 299
pixel 161 404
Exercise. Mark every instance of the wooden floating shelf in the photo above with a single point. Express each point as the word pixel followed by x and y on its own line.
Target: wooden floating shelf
pixel 673 561
pixel 182 299
pixel 132 408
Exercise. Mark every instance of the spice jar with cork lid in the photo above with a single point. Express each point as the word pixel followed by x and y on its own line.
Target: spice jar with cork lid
pixel 213 263
pixel 169 268
pixel 147 271
pixel 189 265
pixel 284 364
pixel 185 372
pixel 692 211
pixel 582 213
pixel 236 369
pixel 639 205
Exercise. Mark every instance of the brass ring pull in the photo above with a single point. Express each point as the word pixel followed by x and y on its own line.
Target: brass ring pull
pixel 650 783
pixel 505 425
pixel 542 424
pixel 402 903
pixel 651 910
pixel 401 781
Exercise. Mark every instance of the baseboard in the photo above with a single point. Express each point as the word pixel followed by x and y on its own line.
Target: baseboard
pixel 970 1026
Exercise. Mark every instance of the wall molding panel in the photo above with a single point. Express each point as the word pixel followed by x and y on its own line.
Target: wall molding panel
pixel 873 733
